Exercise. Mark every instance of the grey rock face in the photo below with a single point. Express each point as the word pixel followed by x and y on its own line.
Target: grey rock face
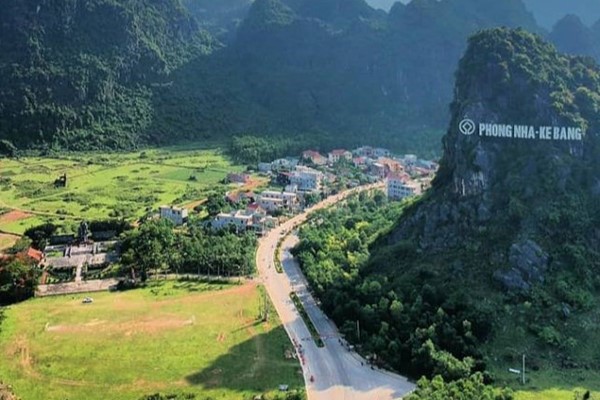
pixel 528 262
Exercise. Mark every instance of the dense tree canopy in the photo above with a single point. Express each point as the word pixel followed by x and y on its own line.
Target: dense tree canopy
pixel 471 388
pixel 18 279
pixel 155 246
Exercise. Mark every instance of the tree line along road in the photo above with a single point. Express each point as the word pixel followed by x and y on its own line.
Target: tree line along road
pixel 332 372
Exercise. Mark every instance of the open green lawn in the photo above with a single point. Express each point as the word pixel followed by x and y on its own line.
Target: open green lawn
pixel 552 384
pixel 554 394
pixel 547 377
pixel 102 185
pixel 173 338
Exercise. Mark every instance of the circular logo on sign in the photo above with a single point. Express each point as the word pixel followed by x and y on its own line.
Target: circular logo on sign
pixel 467 126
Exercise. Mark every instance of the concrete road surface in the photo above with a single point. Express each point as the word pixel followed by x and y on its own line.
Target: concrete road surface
pixel 338 373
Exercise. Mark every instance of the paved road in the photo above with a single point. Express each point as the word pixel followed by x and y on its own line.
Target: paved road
pixel 338 373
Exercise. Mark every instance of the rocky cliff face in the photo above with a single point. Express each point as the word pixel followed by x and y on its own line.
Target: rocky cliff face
pixel 510 201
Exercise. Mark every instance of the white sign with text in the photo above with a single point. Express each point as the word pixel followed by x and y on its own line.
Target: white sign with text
pixel 493 130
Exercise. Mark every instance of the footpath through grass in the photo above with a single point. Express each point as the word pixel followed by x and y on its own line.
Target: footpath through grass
pixel 171 337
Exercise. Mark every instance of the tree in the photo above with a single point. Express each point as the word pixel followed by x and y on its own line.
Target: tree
pixel 40 234
pixel 471 388
pixel 8 149
pixel 18 279
pixel 215 204
pixel 149 247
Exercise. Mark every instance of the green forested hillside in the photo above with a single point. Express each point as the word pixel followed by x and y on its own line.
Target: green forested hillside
pixel 342 68
pixel 118 74
pixel 220 18
pixel 500 258
pixel 79 74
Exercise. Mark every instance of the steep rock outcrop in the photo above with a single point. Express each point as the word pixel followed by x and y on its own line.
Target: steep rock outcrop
pixel 504 196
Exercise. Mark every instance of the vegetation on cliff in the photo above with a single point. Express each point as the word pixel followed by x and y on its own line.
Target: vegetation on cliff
pixel 79 75
pixel 500 258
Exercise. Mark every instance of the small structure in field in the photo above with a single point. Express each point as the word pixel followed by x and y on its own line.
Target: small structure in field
pixel 61 181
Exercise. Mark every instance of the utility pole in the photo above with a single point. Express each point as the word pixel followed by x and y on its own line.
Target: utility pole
pixel 358 329
pixel 523 374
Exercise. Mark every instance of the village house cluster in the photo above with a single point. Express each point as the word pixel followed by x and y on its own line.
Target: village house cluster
pixel 298 181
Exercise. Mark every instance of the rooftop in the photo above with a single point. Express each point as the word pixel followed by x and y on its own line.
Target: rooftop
pixel 339 152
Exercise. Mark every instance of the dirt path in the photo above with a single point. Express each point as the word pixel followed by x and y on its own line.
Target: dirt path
pixel 29 213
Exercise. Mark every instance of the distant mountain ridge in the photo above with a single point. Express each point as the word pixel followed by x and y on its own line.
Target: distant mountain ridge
pixel 346 70
pixel 548 12
pixel 111 74
pixel 572 36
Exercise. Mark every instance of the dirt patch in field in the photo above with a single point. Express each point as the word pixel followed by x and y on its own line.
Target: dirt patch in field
pixel 7 241
pixel 147 326
pixel 6 392
pixel 13 216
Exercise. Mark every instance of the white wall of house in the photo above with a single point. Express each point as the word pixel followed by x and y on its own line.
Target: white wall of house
pixel 176 215
pixel 307 179
pixel 235 218
pixel 397 189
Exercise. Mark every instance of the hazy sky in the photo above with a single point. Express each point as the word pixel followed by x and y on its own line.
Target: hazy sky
pixel 546 12
pixel 384 4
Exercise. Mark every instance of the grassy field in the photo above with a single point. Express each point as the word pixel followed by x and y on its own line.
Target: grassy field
pixel 172 338
pixel 7 241
pixel 546 379
pixel 552 384
pixel 102 185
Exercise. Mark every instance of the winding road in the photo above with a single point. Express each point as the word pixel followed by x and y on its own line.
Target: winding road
pixel 339 373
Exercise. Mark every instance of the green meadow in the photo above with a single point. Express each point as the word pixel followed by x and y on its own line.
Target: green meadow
pixel 171 337
pixel 100 185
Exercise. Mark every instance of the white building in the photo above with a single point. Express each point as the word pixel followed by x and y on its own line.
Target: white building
pixel 399 187
pixel 306 179
pixel 177 215
pixel 240 219
pixel 243 221
pixel 272 200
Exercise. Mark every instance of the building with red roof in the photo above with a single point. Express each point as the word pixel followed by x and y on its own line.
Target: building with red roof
pixel 314 157
pixel 339 154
